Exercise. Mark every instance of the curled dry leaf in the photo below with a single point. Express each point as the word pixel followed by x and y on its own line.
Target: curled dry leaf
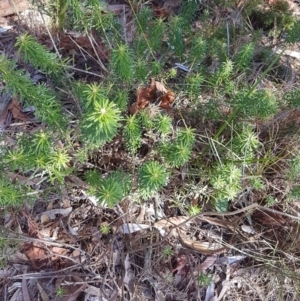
pixel 150 94
pixel 145 95
pixel 202 246
pixel 16 110
pixel 166 100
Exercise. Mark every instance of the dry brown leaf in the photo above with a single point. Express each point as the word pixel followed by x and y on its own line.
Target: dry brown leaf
pixel 76 255
pixel 36 254
pixel 134 108
pixel 181 264
pixel 4 114
pixel 149 94
pixel 208 262
pixel 23 180
pixel 160 87
pixel 76 181
pixel 166 100
pixel 202 246
pixel 16 110
pixel 128 228
pixel 171 221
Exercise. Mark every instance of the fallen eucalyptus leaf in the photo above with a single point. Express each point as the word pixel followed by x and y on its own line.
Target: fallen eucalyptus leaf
pixel 231 259
pixel 248 229
pixel 202 246
pixel 131 228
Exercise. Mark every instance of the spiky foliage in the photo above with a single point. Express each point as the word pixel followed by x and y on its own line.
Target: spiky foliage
pixel 101 119
pixel 163 124
pixel 198 50
pixel 176 40
pixel 91 94
pixel 157 31
pixel 10 194
pixel 223 74
pixel 141 70
pixel 34 53
pixel 178 151
pixel 132 133
pixel 245 143
pixel 293 34
pixel 293 98
pixel 189 9
pixel 226 180
pixel 111 189
pixel 122 62
pixel 48 108
pixel 244 56
pixel 194 82
pixel 101 124
pixel 260 103
pixel 143 18
pixel 152 176
pixel 120 98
